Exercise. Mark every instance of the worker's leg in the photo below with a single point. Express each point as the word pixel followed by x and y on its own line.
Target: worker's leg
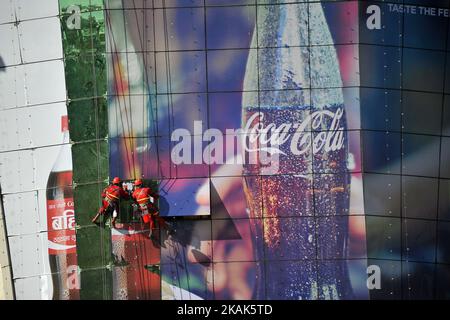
pixel 155 216
pixel 162 223
pixel 152 225
pixel 114 213
pixel 101 211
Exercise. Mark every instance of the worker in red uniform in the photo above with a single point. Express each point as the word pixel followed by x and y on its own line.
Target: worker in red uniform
pixel 111 196
pixel 146 200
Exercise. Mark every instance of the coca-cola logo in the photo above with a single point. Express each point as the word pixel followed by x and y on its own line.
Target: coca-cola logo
pixel 269 138
pixel 320 131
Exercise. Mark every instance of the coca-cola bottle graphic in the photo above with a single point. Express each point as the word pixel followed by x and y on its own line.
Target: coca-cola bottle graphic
pixel 61 223
pixel 295 156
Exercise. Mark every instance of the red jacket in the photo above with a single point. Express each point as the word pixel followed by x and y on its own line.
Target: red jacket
pixel 114 193
pixel 142 195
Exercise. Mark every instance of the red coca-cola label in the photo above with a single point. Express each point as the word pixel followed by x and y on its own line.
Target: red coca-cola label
pixel 61 226
pixel 64 123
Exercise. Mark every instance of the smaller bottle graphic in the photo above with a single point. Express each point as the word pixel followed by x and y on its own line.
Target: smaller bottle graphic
pixel 61 223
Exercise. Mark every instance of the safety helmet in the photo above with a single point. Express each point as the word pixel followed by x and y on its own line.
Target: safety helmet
pixel 138 182
pixel 116 180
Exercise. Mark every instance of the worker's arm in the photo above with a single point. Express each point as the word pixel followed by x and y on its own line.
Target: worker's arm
pixel 104 193
pixel 154 194
pixel 124 194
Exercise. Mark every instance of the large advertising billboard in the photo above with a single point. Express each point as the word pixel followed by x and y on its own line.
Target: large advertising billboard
pixel 247 113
